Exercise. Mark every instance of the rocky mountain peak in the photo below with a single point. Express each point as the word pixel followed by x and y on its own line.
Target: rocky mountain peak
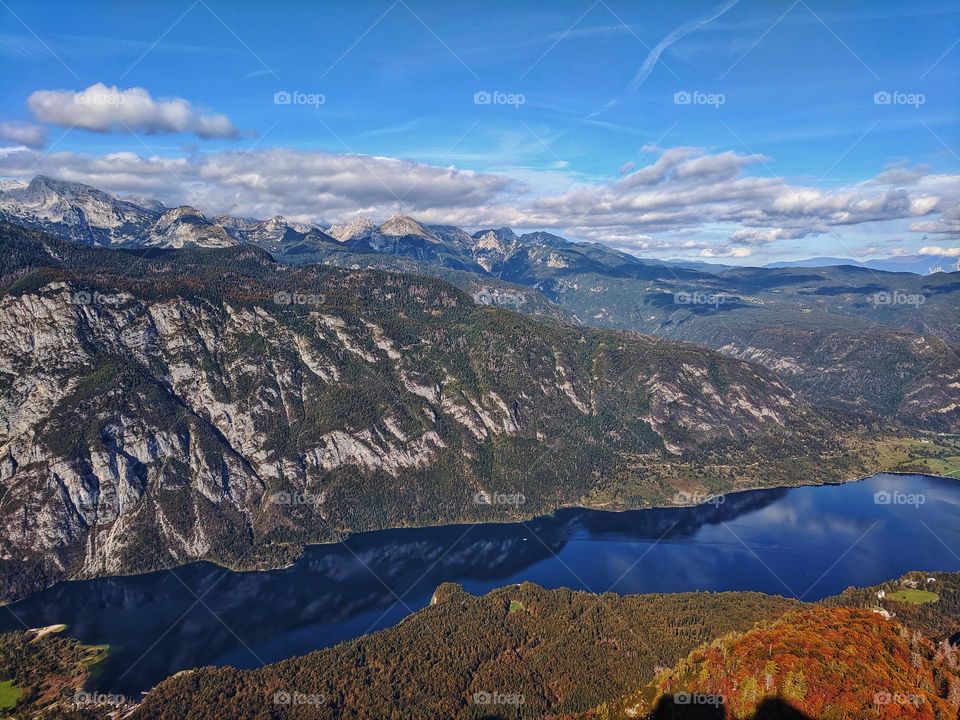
pixel 185 225
pixel 361 227
pixel 398 225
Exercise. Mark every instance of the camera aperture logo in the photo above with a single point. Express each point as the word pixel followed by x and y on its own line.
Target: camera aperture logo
pixel 897 698
pixel 485 498
pixel 895 97
pixel 695 97
pixel 284 497
pixel 886 497
pixel 897 298
pixel 282 297
pixel 484 697
pixel 282 697
pixel 696 297
pixel 698 498
pixel 295 97
pixel 703 699
pixel 83 698
pixel 495 97
pixel 85 297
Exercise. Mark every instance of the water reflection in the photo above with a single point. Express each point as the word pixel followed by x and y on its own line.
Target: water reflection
pixel 806 542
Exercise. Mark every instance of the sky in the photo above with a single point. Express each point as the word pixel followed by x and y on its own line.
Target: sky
pixel 739 131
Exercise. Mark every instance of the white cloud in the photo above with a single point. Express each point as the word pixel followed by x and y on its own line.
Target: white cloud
pixel 941 251
pixel 758 236
pixel 685 200
pixel 947 224
pixel 725 252
pixel 33 136
pixel 308 186
pixel 109 109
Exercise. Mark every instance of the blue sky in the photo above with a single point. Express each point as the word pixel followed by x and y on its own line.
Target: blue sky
pixel 782 150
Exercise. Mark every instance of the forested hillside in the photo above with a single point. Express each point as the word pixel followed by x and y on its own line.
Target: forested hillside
pixel 162 406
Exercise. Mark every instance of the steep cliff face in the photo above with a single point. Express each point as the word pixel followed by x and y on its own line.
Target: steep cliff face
pixel 209 404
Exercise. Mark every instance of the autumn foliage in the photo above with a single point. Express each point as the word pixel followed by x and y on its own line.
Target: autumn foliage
pixel 828 663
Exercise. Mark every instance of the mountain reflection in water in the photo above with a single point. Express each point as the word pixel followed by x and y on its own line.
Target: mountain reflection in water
pixel 784 541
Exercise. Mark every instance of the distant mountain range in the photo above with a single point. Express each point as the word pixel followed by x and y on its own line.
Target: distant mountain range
pixel 830 332
pixel 919 264
pixel 81 213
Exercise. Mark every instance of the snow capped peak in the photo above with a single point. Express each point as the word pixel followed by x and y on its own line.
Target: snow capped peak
pixel 12 184
pixel 361 227
pixel 147 203
pixel 82 213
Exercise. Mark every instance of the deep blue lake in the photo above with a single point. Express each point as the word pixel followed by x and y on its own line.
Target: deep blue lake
pixel 806 542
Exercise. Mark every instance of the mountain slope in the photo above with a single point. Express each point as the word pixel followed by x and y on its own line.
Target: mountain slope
pixel 155 404
pixel 883 345
pixel 521 648
pixel 821 662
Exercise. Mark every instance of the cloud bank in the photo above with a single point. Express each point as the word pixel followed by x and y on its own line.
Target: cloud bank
pixel 33 136
pixel 103 109
pixel 684 200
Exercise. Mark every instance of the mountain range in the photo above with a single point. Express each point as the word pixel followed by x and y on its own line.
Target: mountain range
pixel 919 263
pixel 162 406
pixel 832 333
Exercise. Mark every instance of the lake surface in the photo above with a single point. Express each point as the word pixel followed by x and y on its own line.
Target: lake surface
pixel 806 542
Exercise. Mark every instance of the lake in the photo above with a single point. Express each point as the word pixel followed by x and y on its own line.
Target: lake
pixel 806 542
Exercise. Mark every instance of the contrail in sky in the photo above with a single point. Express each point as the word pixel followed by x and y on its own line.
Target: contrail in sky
pixel 671 38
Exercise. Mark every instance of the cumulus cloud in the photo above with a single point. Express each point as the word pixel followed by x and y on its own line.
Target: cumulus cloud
pixel 33 136
pixel 686 188
pixel 941 251
pixel 725 252
pixel 947 224
pixel 758 236
pixel 309 186
pixel 683 200
pixel 900 174
pixel 109 109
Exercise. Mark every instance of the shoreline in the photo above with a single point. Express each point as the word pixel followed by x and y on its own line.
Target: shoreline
pixel 512 521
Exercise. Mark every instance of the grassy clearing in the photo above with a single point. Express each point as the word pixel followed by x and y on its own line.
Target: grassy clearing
pixel 916 597
pixel 9 694
pixel 932 453
pixel 516 606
